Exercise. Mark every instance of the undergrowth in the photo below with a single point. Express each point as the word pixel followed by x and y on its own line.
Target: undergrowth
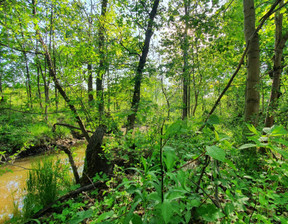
pixel 202 178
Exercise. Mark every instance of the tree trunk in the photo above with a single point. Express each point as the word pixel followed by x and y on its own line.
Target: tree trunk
pixel 1 90
pixel 94 160
pixel 71 161
pixel 252 97
pixel 280 41
pixel 38 78
pixel 139 71
pixel 90 83
pixel 186 80
pixel 29 93
pixel 102 63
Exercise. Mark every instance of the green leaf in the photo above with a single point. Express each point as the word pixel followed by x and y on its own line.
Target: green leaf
pixel 229 162
pixel 209 212
pixel 252 129
pixel 246 146
pixel 267 130
pixel 173 129
pixel 166 211
pixel 213 119
pixel 130 214
pixel 278 130
pixel 216 153
pixel 281 152
pixel 176 194
pixel 229 208
pixel 81 216
pixel 169 157
pixel 136 219
pixel 105 215
pixel 154 196
pixel 216 136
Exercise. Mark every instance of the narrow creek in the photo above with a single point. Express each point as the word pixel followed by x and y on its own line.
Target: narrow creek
pixel 12 184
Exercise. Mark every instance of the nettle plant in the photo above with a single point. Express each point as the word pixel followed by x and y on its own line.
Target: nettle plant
pixel 205 185
pixel 214 189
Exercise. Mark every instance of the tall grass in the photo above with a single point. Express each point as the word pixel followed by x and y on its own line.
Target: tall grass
pixel 42 185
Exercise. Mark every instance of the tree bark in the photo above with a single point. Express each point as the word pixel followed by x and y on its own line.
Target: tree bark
pixel 280 41
pixel 1 90
pixel 94 160
pixel 90 83
pixel 252 97
pixel 186 80
pixel 71 161
pixel 102 63
pixel 38 78
pixel 139 71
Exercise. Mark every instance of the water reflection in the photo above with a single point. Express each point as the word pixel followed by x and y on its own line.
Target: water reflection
pixel 12 184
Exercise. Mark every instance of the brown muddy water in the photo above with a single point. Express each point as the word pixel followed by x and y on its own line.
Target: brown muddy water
pixel 12 184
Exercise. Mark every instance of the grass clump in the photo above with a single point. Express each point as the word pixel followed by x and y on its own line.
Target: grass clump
pixel 43 185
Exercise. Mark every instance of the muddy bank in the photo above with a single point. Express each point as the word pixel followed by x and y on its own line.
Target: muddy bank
pixel 12 184
pixel 44 146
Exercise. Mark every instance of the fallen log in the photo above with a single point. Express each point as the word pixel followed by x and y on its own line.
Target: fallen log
pixel 71 194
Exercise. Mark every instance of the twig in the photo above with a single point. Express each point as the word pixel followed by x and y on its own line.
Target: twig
pixel 189 162
pixel 22 50
pixel 207 161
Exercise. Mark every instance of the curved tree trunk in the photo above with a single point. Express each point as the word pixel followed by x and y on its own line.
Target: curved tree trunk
pixel 94 160
pixel 139 72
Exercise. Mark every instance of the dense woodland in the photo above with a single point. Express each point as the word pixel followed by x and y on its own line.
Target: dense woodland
pixel 182 106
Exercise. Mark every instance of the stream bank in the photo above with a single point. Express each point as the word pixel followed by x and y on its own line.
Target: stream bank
pixel 12 183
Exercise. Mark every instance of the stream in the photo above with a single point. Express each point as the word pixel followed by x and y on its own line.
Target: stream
pixel 12 184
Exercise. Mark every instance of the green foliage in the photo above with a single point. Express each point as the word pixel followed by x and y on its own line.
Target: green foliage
pixel 43 185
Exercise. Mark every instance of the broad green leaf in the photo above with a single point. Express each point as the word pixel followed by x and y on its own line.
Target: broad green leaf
pixel 169 157
pixel 209 212
pixel 173 129
pixel 246 146
pixel 81 216
pixel 176 194
pixel 136 219
pixel 281 152
pixel 278 130
pixel 216 153
pixel 166 211
pixel 267 130
pixel 105 215
pixel 213 119
pixel 154 196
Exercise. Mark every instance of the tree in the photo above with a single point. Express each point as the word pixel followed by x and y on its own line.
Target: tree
pixel 102 61
pixel 186 73
pixel 280 40
pixel 252 97
pixel 141 64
